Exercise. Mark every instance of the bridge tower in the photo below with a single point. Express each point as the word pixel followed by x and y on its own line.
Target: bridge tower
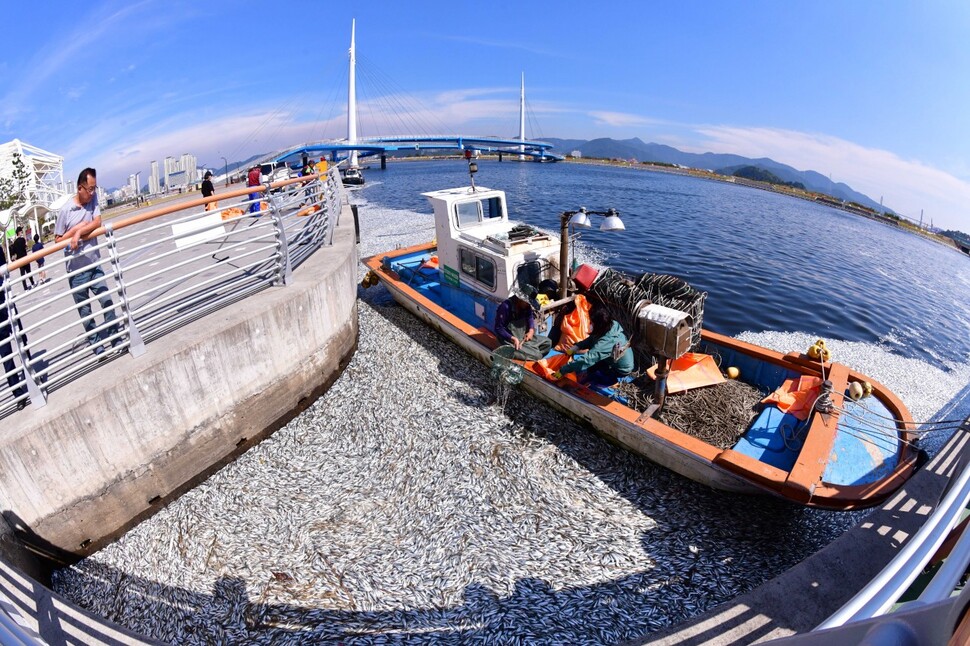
pixel 522 118
pixel 352 96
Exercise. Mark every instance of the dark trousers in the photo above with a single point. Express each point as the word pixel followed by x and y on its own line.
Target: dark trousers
pixel 15 378
pixel 93 281
pixel 23 272
pixel 603 373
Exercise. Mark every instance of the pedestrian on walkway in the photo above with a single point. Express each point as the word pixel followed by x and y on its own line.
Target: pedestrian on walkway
pixel 18 250
pixel 253 180
pixel 77 218
pixel 208 190
pixel 39 246
pixel 14 376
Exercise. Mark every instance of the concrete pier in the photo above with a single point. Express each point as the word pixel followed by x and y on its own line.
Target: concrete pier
pixel 118 443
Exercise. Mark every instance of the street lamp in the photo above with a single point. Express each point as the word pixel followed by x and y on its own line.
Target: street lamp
pixel 580 219
pixel 227 170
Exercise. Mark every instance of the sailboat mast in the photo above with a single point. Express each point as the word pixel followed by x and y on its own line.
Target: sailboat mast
pixel 352 96
pixel 522 118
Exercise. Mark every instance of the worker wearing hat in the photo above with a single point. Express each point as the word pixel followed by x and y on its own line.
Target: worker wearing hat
pixel 515 325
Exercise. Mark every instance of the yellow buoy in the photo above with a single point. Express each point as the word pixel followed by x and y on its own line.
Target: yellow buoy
pixel 813 351
pixel 856 391
pixel 733 373
pixel 867 388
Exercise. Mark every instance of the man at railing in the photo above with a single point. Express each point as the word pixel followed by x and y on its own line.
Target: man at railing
pixel 78 217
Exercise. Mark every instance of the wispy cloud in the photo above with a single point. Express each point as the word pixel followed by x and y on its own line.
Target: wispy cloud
pixel 621 119
pixel 512 45
pixel 61 51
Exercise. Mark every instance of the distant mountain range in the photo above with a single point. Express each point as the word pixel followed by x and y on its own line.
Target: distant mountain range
pixel 724 164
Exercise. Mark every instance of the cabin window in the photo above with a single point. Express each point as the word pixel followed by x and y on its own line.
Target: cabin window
pixel 480 268
pixel 467 262
pixel 468 214
pixel 529 274
pixel 491 208
pixel 486 271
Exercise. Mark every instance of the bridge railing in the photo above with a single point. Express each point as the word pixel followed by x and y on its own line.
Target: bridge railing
pixel 157 271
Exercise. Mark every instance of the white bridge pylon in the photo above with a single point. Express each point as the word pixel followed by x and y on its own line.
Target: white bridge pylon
pixel 354 146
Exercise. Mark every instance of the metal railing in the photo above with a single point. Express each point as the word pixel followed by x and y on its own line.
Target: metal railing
pixel 156 271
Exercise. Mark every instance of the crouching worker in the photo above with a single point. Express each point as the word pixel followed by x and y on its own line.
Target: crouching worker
pixel 603 357
pixel 515 325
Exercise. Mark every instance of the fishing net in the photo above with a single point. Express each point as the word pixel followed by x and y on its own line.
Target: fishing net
pixel 718 415
pixel 505 373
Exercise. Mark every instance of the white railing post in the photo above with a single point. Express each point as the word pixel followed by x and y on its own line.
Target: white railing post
pixel 38 397
pixel 284 274
pixel 136 346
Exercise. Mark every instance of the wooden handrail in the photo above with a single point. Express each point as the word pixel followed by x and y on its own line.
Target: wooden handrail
pixel 155 213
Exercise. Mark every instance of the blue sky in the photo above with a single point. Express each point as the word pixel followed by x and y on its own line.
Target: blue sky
pixel 875 94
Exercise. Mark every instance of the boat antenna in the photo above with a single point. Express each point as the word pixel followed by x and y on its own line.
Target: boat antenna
pixel 472 167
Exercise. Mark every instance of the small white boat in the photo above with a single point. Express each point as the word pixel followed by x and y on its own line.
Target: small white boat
pixel 352 177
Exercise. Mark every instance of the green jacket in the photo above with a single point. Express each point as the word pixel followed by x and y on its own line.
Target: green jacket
pixel 599 349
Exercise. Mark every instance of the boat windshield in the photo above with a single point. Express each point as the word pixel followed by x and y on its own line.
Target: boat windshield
pixel 471 213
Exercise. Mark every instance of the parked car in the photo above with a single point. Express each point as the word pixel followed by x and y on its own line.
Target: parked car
pixel 273 172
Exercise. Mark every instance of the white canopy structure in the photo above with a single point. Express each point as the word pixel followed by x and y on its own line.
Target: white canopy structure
pixel 44 183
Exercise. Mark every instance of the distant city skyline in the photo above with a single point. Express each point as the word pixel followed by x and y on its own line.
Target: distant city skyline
pixel 868 92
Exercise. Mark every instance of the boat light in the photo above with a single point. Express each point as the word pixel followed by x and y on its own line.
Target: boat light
pixel 581 220
pixel 612 222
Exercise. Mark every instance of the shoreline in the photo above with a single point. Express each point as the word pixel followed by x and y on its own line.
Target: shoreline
pixel 902 225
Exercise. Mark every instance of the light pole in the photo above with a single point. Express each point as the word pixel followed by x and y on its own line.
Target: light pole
pixel 580 218
pixel 227 170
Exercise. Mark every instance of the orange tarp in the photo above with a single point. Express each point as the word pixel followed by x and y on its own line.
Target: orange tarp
pixel 545 367
pixel 692 370
pixel 575 325
pixel 796 396
pixel 228 214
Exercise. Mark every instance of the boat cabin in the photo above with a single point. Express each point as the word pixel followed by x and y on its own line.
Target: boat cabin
pixel 481 249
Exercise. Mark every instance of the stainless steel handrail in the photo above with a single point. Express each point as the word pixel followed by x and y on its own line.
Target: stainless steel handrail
pixel 161 269
pixel 886 588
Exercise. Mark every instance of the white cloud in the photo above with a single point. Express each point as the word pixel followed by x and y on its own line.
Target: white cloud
pixel 620 119
pixel 906 186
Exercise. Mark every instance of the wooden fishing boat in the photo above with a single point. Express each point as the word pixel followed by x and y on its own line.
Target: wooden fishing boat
pixel 845 454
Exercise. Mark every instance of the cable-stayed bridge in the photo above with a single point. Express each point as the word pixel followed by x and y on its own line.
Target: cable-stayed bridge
pixel 353 146
pixel 370 146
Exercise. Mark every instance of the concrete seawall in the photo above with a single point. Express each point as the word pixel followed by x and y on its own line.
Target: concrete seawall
pixel 113 446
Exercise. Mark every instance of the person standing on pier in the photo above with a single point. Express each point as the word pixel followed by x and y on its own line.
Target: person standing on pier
pixel 253 180
pixel 14 377
pixel 76 219
pixel 18 250
pixel 208 190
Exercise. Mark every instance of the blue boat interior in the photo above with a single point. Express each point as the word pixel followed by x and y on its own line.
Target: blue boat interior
pixel 866 444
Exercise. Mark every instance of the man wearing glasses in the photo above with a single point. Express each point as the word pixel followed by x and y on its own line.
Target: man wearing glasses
pixel 76 219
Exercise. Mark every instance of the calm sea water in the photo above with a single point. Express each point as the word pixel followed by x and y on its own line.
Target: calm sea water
pixel 768 262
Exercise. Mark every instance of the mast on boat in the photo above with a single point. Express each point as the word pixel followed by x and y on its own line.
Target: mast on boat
pixel 522 118
pixel 352 96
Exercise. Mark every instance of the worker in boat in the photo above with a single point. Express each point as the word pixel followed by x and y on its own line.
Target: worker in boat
pixel 515 325
pixel 603 357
